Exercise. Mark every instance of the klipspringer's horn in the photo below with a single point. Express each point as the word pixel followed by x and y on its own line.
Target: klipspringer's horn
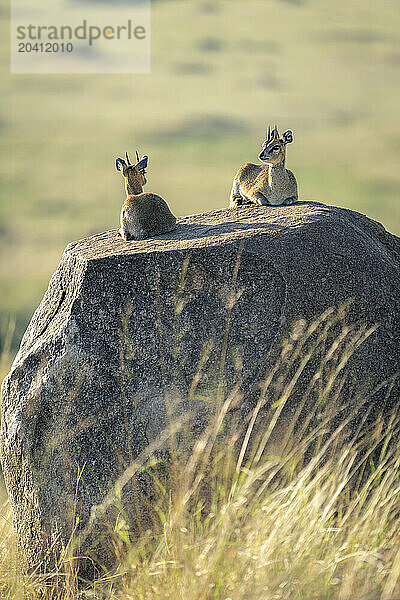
pixel 275 133
pixel 127 159
pixel 269 133
pixel 137 156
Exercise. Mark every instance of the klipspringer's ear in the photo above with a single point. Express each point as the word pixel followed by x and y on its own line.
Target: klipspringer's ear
pixel 119 163
pixel 287 136
pixel 142 164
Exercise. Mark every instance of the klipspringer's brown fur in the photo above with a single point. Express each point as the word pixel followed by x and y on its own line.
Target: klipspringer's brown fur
pixel 143 215
pixel 270 183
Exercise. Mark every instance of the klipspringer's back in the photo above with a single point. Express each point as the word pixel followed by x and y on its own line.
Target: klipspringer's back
pixel 145 215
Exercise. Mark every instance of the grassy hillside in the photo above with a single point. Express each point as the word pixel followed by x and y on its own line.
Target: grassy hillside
pixel 220 72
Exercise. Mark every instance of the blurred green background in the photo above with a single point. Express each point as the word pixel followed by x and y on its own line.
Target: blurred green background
pixel 221 71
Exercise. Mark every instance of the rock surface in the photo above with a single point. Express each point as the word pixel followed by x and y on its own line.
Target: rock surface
pixel 124 325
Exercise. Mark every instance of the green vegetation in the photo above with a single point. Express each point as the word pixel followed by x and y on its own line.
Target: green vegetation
pixel 299 511
pixel 220 72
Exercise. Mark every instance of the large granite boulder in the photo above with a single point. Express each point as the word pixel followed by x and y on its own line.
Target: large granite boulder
pixel 125 329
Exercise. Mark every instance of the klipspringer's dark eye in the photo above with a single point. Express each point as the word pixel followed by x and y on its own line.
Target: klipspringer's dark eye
pixel 275 148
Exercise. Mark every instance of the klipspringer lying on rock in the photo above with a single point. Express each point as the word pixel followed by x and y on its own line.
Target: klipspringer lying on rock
pixel 270 183
pixel 143 215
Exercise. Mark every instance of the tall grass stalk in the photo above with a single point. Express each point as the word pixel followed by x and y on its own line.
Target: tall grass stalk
pixel 6 348
pixel 305 506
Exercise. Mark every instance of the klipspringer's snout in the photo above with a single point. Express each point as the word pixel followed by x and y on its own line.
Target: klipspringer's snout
pixel 264 155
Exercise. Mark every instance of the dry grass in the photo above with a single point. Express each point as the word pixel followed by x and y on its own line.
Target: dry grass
pixel 221 71
pixel 303 512
pixel 6 353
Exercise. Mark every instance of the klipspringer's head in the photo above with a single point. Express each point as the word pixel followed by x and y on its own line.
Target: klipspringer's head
pixel 274 148
pixel 133 173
